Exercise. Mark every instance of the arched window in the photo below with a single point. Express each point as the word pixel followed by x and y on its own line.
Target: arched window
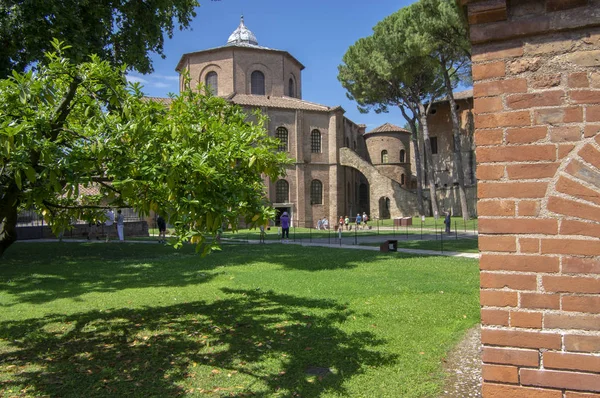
pixel 212 82
pixel 384 156
pixel 282 191
pixel 315 141
pixel 316 192
pixel 257 83
pixel 402 179
pixel 402 155
pixel 291 91
pixel 282 136
pixel 347 142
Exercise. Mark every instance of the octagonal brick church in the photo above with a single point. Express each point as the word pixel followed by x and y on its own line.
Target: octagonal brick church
pixel 338 169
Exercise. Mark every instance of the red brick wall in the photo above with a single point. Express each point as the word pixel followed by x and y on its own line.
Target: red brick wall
pixel 536 69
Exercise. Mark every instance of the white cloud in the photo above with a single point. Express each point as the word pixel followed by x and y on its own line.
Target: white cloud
pixel 136 79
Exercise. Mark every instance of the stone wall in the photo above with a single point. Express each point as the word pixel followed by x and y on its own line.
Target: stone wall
pixel 536 70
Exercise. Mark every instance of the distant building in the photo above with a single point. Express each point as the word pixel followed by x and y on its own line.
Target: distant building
pixel 339 169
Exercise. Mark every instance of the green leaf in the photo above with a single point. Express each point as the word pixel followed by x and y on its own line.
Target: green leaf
pixel 30 173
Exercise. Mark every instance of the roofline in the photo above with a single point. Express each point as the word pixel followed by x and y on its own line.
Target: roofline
pixel 387 132
pixel 214 49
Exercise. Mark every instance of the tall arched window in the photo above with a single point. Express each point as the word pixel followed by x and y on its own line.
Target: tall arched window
pixel 291 91
pixel 402 155
pixel 316 192
pixel 402 179
pixel 257 83
pixel 212 82
pixel 282 191
pixel 384 156
pixel 315 141
pixel 282 136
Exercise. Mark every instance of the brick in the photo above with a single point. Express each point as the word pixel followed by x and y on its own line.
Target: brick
pixel 496 208
pixel 524 65
pixel 523 153
pixel 540 81
pixel 503 119
pixel 489 390
pixel 499 87
pixel 493 298
pixel 592 114
pixel 489 70
pixel 500 373
pixel 488 137
pixel 571 394
pixel 485 12
pixel 589 304
pixel 549 47
pixel 490 172
pixel 510 356
pixel 579 343
pixel 520 319
pixel 572 208
pixel 591 130
pixel 497 51
pixel 557 379
pixel 578 265
pixel 563 360
pixel 584 58
pixel 559 5
pixel 585 96
pixel 564 150
pixel 571 114
pixel 571 284
pixel 575 189
pixel 526 135
pixel 590 155
pixel 512 189
pixel 540 301
pixel 495 280
pixel 529 208
pixel 572 227
pixel 487 104
pixel 519 263
pixel 595 79
pixel 578 80
pixel 571 246
pixel 565 133
pixel 494 317
pixel 529 245
pixel 522 339
pixel 583 172
pixel 535 100
pixel 529 171
pixel 518 226
pixel 571 321
pixel 497 243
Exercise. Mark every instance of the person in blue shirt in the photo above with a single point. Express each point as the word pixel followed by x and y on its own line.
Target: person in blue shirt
pixel 358 220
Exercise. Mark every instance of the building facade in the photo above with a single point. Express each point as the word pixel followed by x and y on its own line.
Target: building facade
pixel 339 169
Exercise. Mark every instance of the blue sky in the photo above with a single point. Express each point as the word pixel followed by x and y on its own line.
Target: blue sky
pixel 317 33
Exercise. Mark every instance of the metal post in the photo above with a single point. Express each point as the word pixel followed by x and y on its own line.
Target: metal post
pixel 441 240
pixel 455 231
pixel 407 231
pixel 310 234
pixel 355 236
pixel 421 230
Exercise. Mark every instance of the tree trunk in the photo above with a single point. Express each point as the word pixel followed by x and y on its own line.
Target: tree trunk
pixel 458 162
pixel 8 219
pixel 419 169
pixel 430 169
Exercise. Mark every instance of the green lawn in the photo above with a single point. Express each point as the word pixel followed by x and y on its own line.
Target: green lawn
pixel 142 320
pixel 448 244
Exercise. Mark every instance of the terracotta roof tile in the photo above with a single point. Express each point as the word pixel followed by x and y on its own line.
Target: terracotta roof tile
pixel 160 100
pixel 279 102
pixel 388 128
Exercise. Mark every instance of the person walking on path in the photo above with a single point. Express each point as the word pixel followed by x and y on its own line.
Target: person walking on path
pixel 347 223
pixel 110 220
pixel 365 218
pixel 447 222
pixel 285 226
pixel 120 225
pixel 341 223
pixel 358 221
pixel 162 229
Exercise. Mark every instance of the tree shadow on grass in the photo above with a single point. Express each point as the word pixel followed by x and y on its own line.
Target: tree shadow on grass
pixel 249 343
pixel 42 272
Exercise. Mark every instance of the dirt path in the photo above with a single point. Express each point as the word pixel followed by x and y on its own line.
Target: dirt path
pixel 463 367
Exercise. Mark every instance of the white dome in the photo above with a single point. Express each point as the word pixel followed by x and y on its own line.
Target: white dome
pixel 242 35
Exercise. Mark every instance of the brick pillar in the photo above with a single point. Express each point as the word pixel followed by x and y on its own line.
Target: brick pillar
pixel 536 72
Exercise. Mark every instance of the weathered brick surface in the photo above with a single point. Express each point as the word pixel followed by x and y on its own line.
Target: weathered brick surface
pixel 537 91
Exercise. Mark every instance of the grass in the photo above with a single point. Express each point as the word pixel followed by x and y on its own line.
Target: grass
pixel 143 320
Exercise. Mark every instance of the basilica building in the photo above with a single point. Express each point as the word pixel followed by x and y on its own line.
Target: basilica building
pixel 339 168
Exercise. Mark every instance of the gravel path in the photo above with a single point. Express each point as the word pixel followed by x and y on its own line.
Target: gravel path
pixel 463 367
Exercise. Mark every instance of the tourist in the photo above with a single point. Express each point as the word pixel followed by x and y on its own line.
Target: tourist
pixel 447 222
pixel 120 225
pixel 110 220
pixel 365 218
pixel 358 221
pixel 347 222
pixel 320 224
pixel 162 229
pixel 325 223
pixel 285 226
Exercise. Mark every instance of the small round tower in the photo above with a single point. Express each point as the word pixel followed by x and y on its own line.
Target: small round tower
pixel 389 151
